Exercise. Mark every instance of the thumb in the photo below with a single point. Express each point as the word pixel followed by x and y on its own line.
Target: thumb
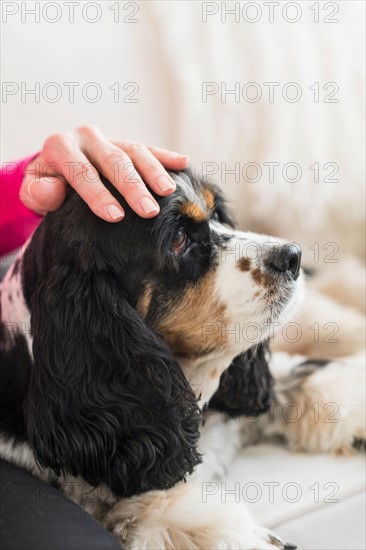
pixel 42 195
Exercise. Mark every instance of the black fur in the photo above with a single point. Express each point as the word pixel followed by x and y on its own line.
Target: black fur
pixel 15 371
pixel 246 387
pixel 106 401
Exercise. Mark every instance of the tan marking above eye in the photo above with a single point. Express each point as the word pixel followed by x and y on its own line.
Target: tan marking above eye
pixel 244 264
pixel 193 211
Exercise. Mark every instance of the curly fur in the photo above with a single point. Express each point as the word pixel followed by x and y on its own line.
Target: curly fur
pixel 106 400
pixel 129 339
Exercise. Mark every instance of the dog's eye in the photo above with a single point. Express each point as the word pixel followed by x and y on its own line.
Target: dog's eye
pixel 215 216
pixel 180 241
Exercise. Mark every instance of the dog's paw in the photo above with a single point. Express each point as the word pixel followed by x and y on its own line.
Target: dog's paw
pixel 181 518
pixel 259 539
pixel 359 444
pixel 254 537
pixel 329 398
pixel 273 541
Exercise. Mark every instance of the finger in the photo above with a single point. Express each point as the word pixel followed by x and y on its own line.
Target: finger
pixel 119 169
pixel 84 178
pixel 151 170
pixel 170 159
pixel 43 194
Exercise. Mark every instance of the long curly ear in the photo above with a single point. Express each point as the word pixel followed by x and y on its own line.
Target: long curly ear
pixel 106 399
pixel 246 387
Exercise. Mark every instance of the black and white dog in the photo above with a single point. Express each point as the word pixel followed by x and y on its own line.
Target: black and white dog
pixel 117 338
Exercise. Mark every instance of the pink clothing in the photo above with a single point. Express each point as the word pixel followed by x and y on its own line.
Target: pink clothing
pixel 16 221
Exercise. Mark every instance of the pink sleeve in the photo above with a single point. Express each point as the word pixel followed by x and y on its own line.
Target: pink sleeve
pixel 16 221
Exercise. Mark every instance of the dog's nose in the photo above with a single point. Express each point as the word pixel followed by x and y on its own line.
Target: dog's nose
pixel 287 258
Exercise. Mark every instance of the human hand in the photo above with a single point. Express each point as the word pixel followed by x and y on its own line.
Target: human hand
pixel 75 158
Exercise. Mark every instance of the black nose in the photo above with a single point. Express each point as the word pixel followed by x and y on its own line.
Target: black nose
pixel 287 258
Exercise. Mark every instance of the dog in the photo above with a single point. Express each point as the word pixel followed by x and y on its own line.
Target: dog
pixel 122 347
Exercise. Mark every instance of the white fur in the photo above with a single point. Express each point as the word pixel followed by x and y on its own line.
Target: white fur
pixel 331 402
pixel 18 453
pixel 188 518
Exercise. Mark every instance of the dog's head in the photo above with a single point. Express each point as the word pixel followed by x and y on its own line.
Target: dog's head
pixel 132 322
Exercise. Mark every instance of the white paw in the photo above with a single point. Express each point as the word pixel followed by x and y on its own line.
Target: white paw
pixel 275 541
pixel 263 539
pixel 180 519
pixel 330 401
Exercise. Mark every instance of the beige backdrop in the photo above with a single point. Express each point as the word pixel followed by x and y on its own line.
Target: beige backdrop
pixel 168 51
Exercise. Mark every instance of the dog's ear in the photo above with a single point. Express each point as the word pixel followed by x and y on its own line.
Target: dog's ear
pixel 246 387
pixel 106 399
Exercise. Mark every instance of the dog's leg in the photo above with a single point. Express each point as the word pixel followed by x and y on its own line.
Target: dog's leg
pixel 321 329
pixel 320 404
pixel 189 516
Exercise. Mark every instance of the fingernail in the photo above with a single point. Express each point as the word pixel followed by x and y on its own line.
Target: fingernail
pixel 165 183
pixel 115 212
pixel 41 183
pixel 148 206
pixel 179 156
